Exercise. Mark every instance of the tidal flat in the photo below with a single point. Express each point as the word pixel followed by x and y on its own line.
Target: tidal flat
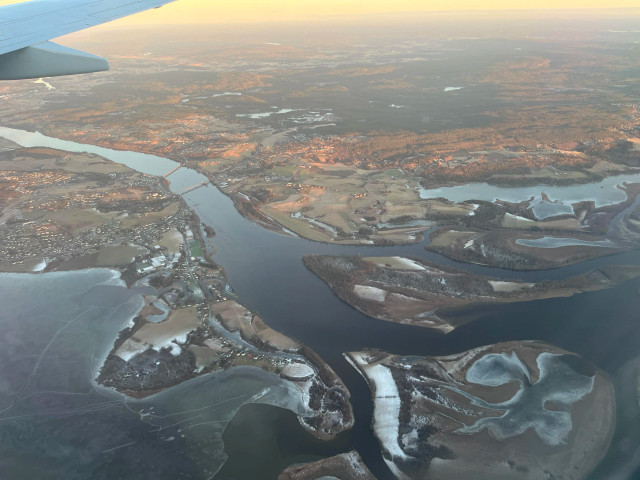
pixel 511 410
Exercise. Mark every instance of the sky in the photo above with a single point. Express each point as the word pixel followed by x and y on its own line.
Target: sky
pixel 233 11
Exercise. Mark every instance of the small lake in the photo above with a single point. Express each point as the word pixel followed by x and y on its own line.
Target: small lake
pixel 602 193
pixel 555 242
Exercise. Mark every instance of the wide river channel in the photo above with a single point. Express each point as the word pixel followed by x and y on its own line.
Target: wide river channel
pixel 267 273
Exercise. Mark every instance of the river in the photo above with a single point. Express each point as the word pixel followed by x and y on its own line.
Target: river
pixel 267 273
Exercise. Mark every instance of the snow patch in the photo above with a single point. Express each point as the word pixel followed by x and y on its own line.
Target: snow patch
pixel 356 465
pixel 40 266
pixel 256 116
pixel 386 410
pixel 297 371
pixel 409 264
pixel 226 94
pixel 370 293
pixel 509 286
pixel 409 439
pixel 557 242
pixel 517 217
pixel 130 348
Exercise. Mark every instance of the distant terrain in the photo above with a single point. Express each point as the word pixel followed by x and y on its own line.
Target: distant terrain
pixel 347 140
pixel 508 146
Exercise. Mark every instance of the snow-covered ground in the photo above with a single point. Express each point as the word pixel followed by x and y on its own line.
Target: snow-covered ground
pixel 409 264
pixel 557 242
pixel 517 217
pixel 168 334
pixel 370 293
pixel 386 413
pixel 298 370
pixel 356 463
pixel 256 116
pixel 130 348
pixel 225 94
pixel 507 287
pixel 40 266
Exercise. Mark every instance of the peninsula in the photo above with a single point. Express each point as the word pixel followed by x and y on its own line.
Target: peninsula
pixel 63 211
pixel 413 290
pixel 347 466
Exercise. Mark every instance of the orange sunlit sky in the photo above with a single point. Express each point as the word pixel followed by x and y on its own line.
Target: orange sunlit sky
pixel 221 11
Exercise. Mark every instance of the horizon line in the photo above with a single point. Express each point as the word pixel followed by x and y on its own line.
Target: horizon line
pixel 332 17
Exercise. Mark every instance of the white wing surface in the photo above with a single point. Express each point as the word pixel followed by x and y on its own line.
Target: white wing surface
pixel 25 29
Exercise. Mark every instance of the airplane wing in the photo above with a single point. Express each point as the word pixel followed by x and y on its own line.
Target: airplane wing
pixel 25 29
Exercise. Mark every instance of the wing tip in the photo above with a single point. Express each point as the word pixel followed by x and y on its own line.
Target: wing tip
pixel 48 60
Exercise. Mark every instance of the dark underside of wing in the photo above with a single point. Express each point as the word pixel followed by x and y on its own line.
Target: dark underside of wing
pixel 26 28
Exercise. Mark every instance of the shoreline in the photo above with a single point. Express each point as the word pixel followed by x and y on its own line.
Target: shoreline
pixel 412 291
pixel 462 395
pixel 155 245
pixel 321 390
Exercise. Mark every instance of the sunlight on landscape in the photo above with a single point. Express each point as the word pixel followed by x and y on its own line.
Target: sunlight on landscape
pixel 307 240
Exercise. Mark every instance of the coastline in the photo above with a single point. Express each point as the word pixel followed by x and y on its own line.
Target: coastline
pixel 412 290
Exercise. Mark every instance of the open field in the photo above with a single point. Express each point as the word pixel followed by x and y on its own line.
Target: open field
pixel 123 255
pixel 140 220
pixel 34 159
pixel 235 317
pixel 76 220
pixel 172 240
pixel 157 336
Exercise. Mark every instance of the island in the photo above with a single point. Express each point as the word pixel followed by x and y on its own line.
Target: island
pixel 510 410
pixel 159 351
pixel 347 466
pixel 412 290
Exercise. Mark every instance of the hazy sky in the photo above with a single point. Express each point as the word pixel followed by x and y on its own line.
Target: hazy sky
pixel 205 11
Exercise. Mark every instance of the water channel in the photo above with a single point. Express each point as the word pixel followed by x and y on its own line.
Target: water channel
pixel 266 271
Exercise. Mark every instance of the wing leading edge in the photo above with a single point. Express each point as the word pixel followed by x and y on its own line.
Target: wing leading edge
pixel 25 29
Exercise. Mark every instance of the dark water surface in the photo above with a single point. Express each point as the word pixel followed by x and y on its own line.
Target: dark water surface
pixel 266 271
